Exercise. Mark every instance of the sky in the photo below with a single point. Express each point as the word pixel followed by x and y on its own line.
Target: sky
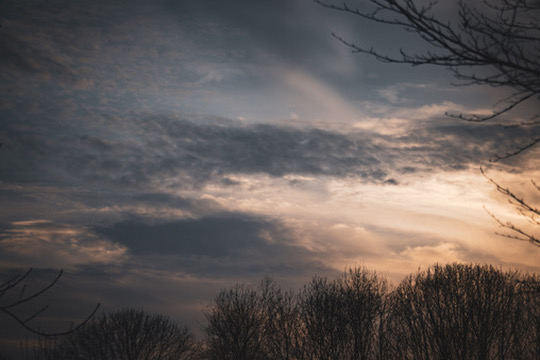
pixel 159 151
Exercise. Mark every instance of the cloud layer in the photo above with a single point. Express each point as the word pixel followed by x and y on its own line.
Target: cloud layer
pixel 139 151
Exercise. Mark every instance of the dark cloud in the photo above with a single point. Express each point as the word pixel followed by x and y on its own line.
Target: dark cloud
pixel 212 237
pixel 196 153
pixel 457 145
pixel 224 245
pixel 191 154
pixel 163 198
pixel 273 150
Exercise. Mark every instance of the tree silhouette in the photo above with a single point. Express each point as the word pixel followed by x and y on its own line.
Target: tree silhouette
pixel 364 298
pixel 343 319
pixel 323 325
pixel 462 312
pixel 14 290
pixel 530 290
pixel 281 322
pixel 447 312
pixel 127 334
pixel 235 324
pixel 248 322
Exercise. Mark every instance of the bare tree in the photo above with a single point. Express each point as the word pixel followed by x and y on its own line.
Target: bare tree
pixel 343 319
pixel 461 312
pixel 281 322
pixel 323 325
pixel 127 334
pixel 530 290
pixel 248 322
pixel 235 324
pixel 14 290
pixel 364 305
pixel 446 312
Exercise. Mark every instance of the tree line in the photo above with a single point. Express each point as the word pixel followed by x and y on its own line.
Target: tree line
pixel 453 311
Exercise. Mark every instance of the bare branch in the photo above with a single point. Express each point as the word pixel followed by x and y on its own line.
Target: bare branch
pixel 518 151
pixel 13 282
pixel 508 225
pixel 492 43
pixel 24 323
pixel 7 309
pixel 524 208
pixel 36 294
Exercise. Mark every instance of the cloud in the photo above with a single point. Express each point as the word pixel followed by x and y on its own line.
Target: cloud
pixel 428 254
pixel 42 243
pixel 168 170
pixel 214 75
pixel 121 264
pixel 230 244
pixel 165 148
pixel 210 236
pixel 208 247
pixel 151 152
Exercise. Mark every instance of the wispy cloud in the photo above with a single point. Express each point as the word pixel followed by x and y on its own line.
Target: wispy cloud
pixel 42 243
